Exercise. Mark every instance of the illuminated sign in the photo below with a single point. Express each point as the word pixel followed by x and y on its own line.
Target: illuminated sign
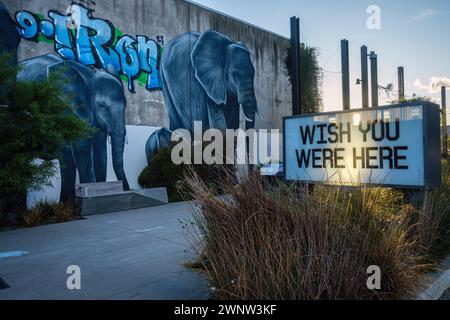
pixel 395 145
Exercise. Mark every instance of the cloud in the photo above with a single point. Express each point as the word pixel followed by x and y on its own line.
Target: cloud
pixel 435 84
pixel 425 14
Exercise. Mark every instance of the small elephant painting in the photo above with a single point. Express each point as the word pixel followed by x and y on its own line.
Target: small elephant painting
pixel 205 77
pixel 98 98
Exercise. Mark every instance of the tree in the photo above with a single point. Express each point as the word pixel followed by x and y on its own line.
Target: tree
pixel 310 78
pixel 36 120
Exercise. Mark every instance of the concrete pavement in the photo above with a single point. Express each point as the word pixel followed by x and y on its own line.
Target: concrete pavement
pixel 136 254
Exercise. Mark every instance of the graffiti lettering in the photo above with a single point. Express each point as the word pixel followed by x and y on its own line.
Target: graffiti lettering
pixel 91 41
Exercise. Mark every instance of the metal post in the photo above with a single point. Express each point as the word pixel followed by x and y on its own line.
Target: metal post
pixel 374 78
pixel 295 65
pixel 401 84
pixel 345 75
pixel 364 78
pixel 444 122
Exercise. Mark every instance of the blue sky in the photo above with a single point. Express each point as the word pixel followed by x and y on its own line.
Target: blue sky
pixel 414 34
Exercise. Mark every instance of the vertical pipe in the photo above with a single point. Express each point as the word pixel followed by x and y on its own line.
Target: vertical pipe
pixel 374 78
pixel 364 78
pixel 444 123
pixel 345 75
pixel 401 84
pixel 295 65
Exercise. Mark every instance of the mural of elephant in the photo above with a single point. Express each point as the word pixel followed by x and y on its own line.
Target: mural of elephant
pixel 158 140
pixel 9 36
pixel 208 77
pixel 98 98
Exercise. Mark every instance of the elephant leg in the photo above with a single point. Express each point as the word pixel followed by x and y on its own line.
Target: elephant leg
pixel 83 155
pixel 100 156
pixel 68 174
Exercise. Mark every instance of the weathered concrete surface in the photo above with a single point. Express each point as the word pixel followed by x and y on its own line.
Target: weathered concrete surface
pixel 171 18
pixel 121 201
pixel 437 284
pixel 130 255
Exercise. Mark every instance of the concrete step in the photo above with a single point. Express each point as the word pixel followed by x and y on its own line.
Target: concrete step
pixel 121 201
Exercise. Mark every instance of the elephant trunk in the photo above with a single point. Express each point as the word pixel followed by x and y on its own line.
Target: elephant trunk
pixel 117 148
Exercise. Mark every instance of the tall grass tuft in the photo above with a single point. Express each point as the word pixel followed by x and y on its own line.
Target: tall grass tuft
pixel 431 223
pixel 48 212
pixel 278 241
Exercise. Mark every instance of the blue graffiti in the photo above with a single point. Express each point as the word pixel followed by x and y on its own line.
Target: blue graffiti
pixel 91 41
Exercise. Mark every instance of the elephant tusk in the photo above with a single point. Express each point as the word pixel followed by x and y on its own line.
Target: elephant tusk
pixel 109 139
pixel 261 117
pixel 243 113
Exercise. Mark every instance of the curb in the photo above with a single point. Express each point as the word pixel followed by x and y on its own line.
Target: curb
pixel 440 283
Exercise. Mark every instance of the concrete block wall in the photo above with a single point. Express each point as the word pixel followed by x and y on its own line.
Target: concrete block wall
pixel 171 18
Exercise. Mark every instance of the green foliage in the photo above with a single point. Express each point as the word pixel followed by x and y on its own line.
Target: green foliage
pixel 412 100
pixel 36 120
pixel 310 78
pixel 162 172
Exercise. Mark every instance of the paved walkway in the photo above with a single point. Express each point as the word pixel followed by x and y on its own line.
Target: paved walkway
pixel 137 254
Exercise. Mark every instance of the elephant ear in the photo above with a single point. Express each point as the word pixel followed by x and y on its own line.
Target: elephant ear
pixel 75 87
pixel 208 58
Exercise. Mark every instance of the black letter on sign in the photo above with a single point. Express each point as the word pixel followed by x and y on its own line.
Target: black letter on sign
pixel 338 158
pixel 388 157
pixel 307 134
pixel 370 158
pixel 364 131
pixel 303 159
pixel 328 155
pixel 362 158
pixel 316 158
pixel 347 132
pixel 322 138
pixel 332 133
pixel 374 131
pixel 398 157
pixel 397 130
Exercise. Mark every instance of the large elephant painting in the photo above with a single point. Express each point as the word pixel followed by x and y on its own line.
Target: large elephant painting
pixel 98 98
pixel 206 77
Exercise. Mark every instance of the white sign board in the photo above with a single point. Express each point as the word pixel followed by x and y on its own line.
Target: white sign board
pixel 383 146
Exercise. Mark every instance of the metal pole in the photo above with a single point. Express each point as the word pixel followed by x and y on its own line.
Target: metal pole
pixel 295 65
pixel 345 75
pixel 364 78
pixel 444 122
pixel 374 78
pixel 401 84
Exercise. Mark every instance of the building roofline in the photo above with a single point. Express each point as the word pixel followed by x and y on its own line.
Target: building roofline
pixel 235 19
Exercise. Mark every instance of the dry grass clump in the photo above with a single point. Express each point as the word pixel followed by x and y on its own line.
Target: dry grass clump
pixel 431 223
pixel 47 212
pixel 287 242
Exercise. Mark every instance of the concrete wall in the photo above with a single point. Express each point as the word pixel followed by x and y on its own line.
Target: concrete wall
pixel 171 18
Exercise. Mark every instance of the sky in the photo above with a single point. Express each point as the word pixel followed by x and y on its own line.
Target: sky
pixel 412 33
